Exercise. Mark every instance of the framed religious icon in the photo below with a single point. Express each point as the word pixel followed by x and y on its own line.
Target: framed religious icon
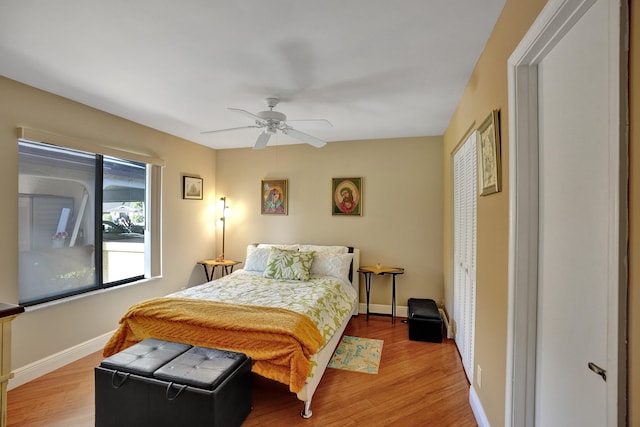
pixel 192 188
pixel 273 197
pixel 489 164
pixel 346 196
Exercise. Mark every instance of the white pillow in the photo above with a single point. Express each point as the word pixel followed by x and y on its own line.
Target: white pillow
pixel 332 264
pixel 256 258
pixel 330 249
pixel 294 247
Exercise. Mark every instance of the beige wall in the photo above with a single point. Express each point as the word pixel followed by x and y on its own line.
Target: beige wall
pixel 188 237
pixel 487 90
pixel 634 216
pixel 401 223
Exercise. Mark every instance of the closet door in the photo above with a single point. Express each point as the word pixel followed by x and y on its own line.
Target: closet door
pixel 464 230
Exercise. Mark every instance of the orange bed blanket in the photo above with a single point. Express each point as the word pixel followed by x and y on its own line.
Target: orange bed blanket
pixel 280 342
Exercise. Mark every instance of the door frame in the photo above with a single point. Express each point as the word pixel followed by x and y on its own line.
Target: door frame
pixel 554 21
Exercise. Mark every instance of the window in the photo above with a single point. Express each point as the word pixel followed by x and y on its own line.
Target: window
pixel 84 221
pixel 123 220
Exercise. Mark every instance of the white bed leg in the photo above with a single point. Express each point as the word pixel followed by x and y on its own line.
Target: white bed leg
pixel 306 412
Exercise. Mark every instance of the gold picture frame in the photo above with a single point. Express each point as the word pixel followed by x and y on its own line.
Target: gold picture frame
pixel 346 196
pixel 489 162
pixel 274 197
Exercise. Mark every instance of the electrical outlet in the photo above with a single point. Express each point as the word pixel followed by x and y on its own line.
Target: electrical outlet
pixel 479 377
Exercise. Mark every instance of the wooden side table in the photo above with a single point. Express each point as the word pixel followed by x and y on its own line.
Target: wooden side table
pixel 226 265
pixel 367 271
pixel 8 312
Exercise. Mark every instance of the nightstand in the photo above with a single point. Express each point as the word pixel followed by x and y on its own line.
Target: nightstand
pixel 226 265
pixel 367 271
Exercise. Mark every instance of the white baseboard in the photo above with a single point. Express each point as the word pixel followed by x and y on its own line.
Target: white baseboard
pixel 40 367
pixel 401 311
pixel 477 409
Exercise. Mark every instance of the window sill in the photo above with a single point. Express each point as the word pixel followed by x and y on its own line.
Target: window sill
pixel 88 294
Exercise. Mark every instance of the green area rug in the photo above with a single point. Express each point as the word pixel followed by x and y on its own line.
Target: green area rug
pixel 357 354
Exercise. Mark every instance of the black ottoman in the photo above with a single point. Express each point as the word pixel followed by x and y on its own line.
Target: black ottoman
pixel 173 385
pixel 425 322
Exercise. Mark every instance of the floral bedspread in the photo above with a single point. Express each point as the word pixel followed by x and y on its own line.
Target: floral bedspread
pixel 325 300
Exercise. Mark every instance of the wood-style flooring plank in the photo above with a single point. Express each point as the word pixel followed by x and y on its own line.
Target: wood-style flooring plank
pixel 418 384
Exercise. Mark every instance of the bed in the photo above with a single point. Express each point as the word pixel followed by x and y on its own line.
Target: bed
pixel 287 309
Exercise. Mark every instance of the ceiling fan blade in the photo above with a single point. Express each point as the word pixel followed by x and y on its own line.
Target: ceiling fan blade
pixel 228 129
pixel 316 142
pixel 246 113
pixel 262 140
pixel 315 123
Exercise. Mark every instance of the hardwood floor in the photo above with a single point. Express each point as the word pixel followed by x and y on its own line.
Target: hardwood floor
pixel 418 384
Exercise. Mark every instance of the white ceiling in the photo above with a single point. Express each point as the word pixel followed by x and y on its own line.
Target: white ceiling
pixel 373 68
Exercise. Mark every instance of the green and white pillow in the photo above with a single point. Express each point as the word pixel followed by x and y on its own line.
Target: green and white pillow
pixel 288 265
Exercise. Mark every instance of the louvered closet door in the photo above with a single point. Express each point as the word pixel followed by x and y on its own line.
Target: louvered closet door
pixel 464 274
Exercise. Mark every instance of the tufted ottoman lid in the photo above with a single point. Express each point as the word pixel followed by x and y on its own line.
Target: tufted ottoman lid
pixel 145 357
pixel 201 367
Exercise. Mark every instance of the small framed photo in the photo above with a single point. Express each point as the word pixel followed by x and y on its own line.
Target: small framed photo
pixel 346 196
pixel 489 163
pixel 274 197
pixel 191 188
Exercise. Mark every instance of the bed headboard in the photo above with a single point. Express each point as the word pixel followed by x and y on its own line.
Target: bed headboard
pixel 354 276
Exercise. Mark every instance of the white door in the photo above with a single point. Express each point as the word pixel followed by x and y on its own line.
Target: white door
pixel 566 275
pixel 573 225
pixel 465 192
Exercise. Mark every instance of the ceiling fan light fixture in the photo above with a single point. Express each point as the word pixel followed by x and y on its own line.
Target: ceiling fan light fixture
pixel 272 116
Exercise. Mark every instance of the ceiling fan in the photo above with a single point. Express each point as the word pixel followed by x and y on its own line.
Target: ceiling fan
pixel 273 121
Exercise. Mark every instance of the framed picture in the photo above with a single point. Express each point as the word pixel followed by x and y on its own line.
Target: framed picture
pixel 191 188
pixel 489 163
pixel 346 196
pixel 273 197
